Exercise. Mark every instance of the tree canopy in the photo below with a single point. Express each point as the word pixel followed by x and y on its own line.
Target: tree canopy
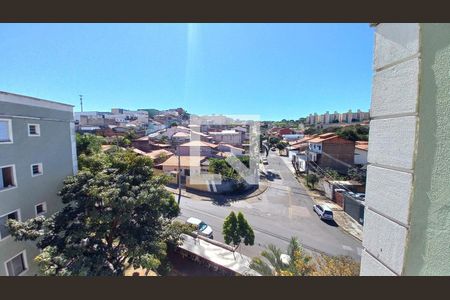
pixel 117 212
pixel 236 229
pixel 88 143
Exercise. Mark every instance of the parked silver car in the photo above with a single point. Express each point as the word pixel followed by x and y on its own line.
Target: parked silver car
pixel 324 212
pixel 202 228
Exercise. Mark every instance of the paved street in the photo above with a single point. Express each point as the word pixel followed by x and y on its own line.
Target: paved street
pixel 283 211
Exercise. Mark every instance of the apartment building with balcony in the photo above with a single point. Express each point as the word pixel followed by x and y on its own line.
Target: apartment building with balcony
pixel 37 152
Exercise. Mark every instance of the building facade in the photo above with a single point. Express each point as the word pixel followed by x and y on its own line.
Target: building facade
pixel 37 152
pixel 407 211
pixel 331 151
pixel 338 118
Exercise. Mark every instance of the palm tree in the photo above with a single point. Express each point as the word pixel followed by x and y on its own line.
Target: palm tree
pixel 276 263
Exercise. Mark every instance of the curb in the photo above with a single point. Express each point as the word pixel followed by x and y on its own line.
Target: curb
pixel 315 202
pixel 193 196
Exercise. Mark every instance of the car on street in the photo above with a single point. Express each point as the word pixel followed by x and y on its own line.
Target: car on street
pixel 361 196
pixel 202 228
pixel 265 161
pixel 324 212
pixel 273 149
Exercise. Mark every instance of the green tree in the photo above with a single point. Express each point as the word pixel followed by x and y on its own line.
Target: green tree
pixel 164 139
pixel 235 229
pixel 88 143
pixel 131 134
pixel 354 133
pixel 114 215
pixel 273 141
pixel 173 124
pixel 299 263
pixel 121 141
pixel 311 130
pixel 245 230
pixel 357 174
pixel 312 179
pixel 333 174
pixel 221 166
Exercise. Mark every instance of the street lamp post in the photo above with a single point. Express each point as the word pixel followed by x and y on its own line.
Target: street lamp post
pixel 179 175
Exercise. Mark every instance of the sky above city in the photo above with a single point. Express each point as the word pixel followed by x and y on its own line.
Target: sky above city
pixel 277 71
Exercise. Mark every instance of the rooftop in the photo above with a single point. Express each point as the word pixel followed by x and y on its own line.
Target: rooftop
pixel 362 145
pixel 185 161
pixel 198 144
pixel 27 100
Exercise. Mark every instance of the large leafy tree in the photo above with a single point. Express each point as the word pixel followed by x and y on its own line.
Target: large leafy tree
pixel 237 230
pixel 117 213
pixel 88 143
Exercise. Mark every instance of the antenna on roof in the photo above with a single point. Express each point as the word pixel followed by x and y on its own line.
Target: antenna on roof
pixel 81 102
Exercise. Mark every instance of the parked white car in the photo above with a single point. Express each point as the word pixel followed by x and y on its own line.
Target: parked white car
pixel 265 161
pixel 202 228
pixel 324 212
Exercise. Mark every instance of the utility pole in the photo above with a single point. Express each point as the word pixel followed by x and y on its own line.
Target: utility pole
pixel 81 102
pixel 179 175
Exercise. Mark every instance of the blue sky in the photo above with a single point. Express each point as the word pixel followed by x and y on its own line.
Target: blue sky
pixel 274 70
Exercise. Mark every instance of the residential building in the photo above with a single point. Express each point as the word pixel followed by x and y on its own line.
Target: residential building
pixel 361 150
pixel 38 151
pixel 147 145
pixel 158 156
pixel 337 119
pixel 227 148
pixel 331 151
pixel 197 148
pixel 292 137
pixel 189 165
pixel 227 136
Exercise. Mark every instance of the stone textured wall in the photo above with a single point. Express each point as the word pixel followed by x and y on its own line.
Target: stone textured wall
pixel 392 144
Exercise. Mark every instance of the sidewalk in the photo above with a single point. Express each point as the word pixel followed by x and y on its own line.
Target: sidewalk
pixel 345 222
pixel 209 196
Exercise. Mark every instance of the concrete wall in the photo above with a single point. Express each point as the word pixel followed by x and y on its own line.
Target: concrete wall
pixel 53 148
pixel 407 213
pixel 428 246
pixel 360 157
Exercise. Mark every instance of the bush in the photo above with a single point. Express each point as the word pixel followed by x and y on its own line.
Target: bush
pixel 312 179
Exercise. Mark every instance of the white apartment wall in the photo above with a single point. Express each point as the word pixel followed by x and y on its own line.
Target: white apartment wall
pixel 392 141
pixel 360 157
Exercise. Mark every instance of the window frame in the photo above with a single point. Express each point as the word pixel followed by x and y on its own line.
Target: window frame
pixel 44 204
pixel 25 262
pixel 41 168
pixel 38 129
pixel 15 177
pixel 19 218
pixel 10 131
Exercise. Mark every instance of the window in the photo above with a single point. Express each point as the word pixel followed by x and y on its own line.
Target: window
pixel 34 130
pixel 41 208
pixel 5 131
pixel 17 265
pixel 36 169
pixel 4 231
pixel 7 177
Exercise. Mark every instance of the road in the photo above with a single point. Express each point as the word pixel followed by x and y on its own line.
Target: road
pixel 283 211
